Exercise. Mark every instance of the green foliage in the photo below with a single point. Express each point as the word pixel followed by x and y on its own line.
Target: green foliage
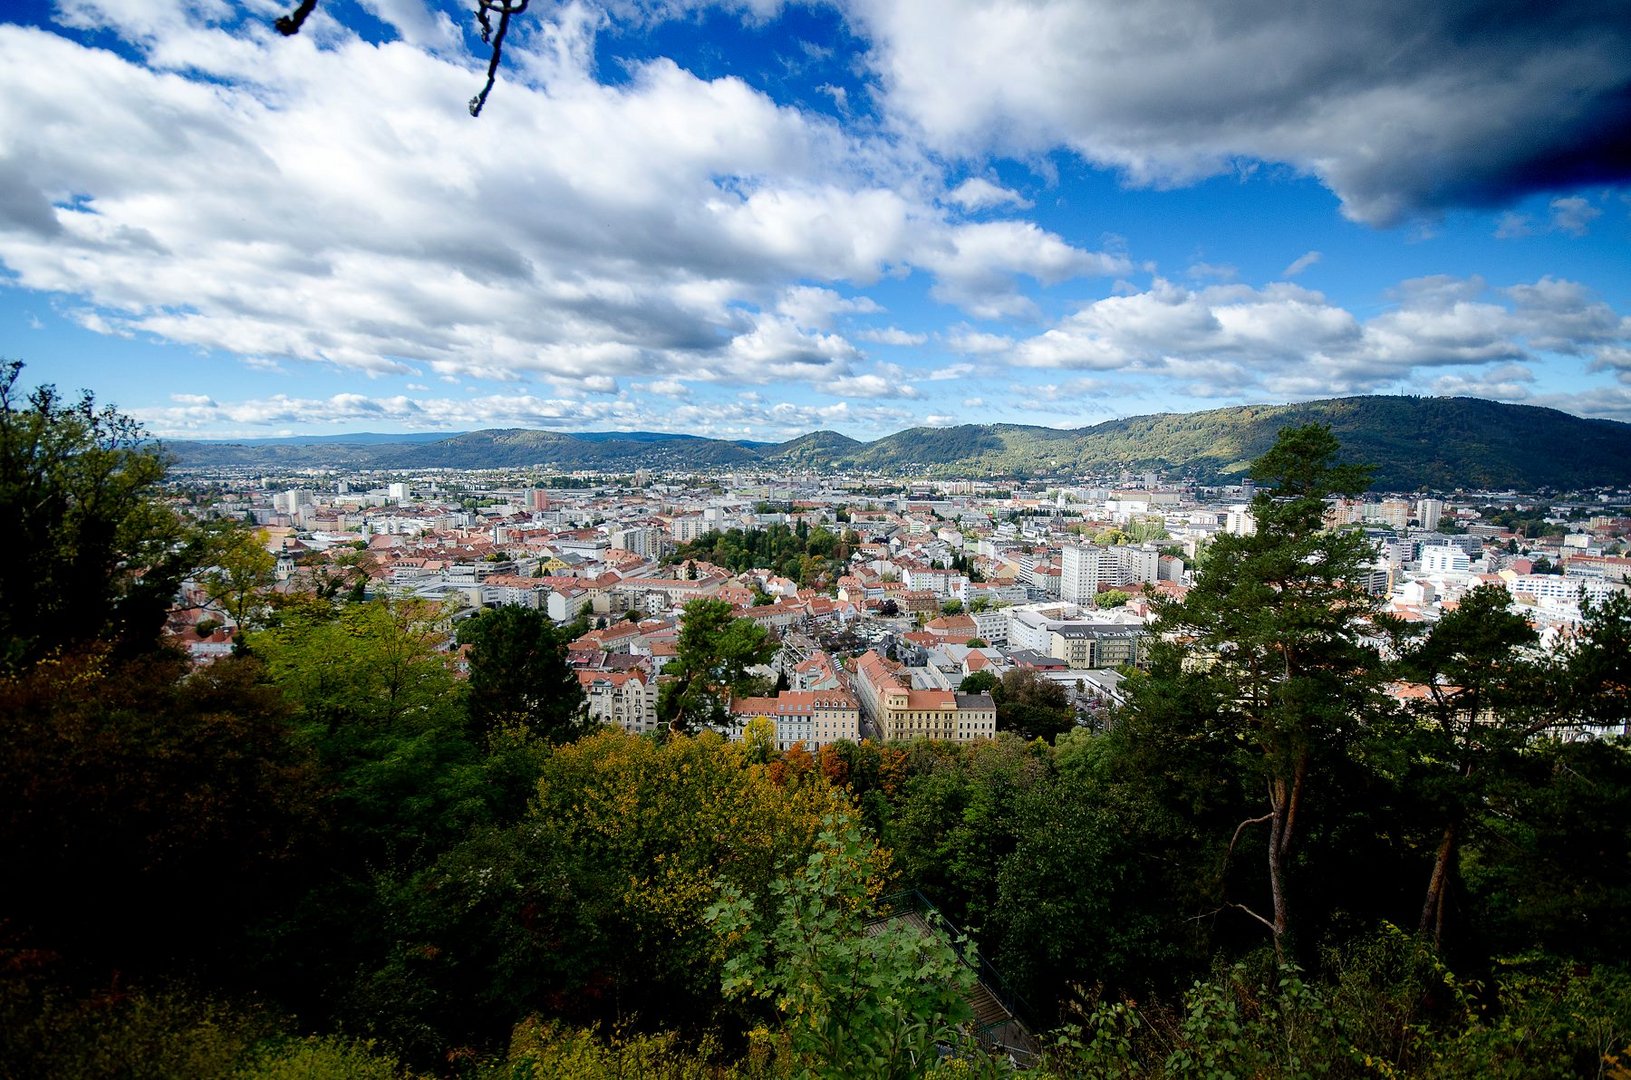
pixel 519 677
pixel 813 557
pixel 955 821
pixel 1548 861
pixel 321 1058
pixel 1112 598
pixel 979 682
pixel 1483 697
pixel 1273 632
pixel 589 908
pixel 149 813
pixel 712 656
pixel 1084 859
pixel 94 553
pixel 1390 1009
pixel 239 571
pixel 1032 706
pixel 551 1049
pixel 52 1032
pixel 855 1001
pixel 1597 664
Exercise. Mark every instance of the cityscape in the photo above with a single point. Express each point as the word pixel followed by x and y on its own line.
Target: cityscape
pixel 815 540
pixel 919 584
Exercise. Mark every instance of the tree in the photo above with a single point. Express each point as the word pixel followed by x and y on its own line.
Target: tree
pixel 856 1002
pixel 592 906
pixel 1032 705
pixel 150 814
pixel 712 657
pixel 952 607
pixel 519 677
pixel 240 571
pixel 1278 626
pixel 1597 664
pixel 978 682
pixel 1481 705
pixel 1112 598
pixel 94 553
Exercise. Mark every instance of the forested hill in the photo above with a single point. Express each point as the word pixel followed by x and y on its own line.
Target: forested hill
pixel 1438 443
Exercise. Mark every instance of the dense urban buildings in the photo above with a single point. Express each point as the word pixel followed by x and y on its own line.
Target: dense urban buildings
pixel 883 594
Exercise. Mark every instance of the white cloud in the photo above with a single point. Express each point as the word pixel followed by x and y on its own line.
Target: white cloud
pixel 1573 215
pixel 1508 382
pixel 326 200
pixel 1282 339
pixel 975 265
pixel 673 388
pixel 1216 272
pixel 977 193
pixel 815 308
pixel 892 335
pixel 1512 225
pixel 1302 262
pixel 952 371
pixel 869 386
pixel 969 342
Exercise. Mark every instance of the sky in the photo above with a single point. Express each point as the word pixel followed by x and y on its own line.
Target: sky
pixel 757 219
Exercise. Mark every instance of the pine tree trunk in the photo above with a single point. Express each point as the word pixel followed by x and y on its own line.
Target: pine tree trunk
pixel 1285 799
pixel 1432 910
pixel 1277 880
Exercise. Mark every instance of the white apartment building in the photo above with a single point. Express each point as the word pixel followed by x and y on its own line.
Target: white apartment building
pixel 1444 559
pixel 1239 521
pixel 1079 569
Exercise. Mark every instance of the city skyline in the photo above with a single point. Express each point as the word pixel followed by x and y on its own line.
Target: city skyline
pixel 755 220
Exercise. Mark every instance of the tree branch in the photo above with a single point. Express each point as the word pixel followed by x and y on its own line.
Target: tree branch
pixel 505 9
pixel 1227 855
pixel 290 24
pixel 1256 916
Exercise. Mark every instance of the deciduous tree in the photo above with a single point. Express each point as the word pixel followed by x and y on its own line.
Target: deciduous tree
pixel 94 551
pixel 712 657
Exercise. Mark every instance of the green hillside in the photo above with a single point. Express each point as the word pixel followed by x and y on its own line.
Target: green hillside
pixel 1437 443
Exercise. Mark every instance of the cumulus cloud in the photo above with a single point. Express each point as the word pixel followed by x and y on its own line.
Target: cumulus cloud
pixel 196 416
pixel 1229 340
pixel 1475 104
pixel 967 341
pixel 325 199
pixel 870 386
pixel 975 265
pixel 1512 225
pixel 193 418
pixel 977 193
pixel 1508 382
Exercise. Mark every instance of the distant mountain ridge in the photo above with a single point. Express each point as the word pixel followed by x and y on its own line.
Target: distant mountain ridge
pixel 1435 443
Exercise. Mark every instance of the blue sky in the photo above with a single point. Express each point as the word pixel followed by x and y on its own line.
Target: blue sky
pixel 757 219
